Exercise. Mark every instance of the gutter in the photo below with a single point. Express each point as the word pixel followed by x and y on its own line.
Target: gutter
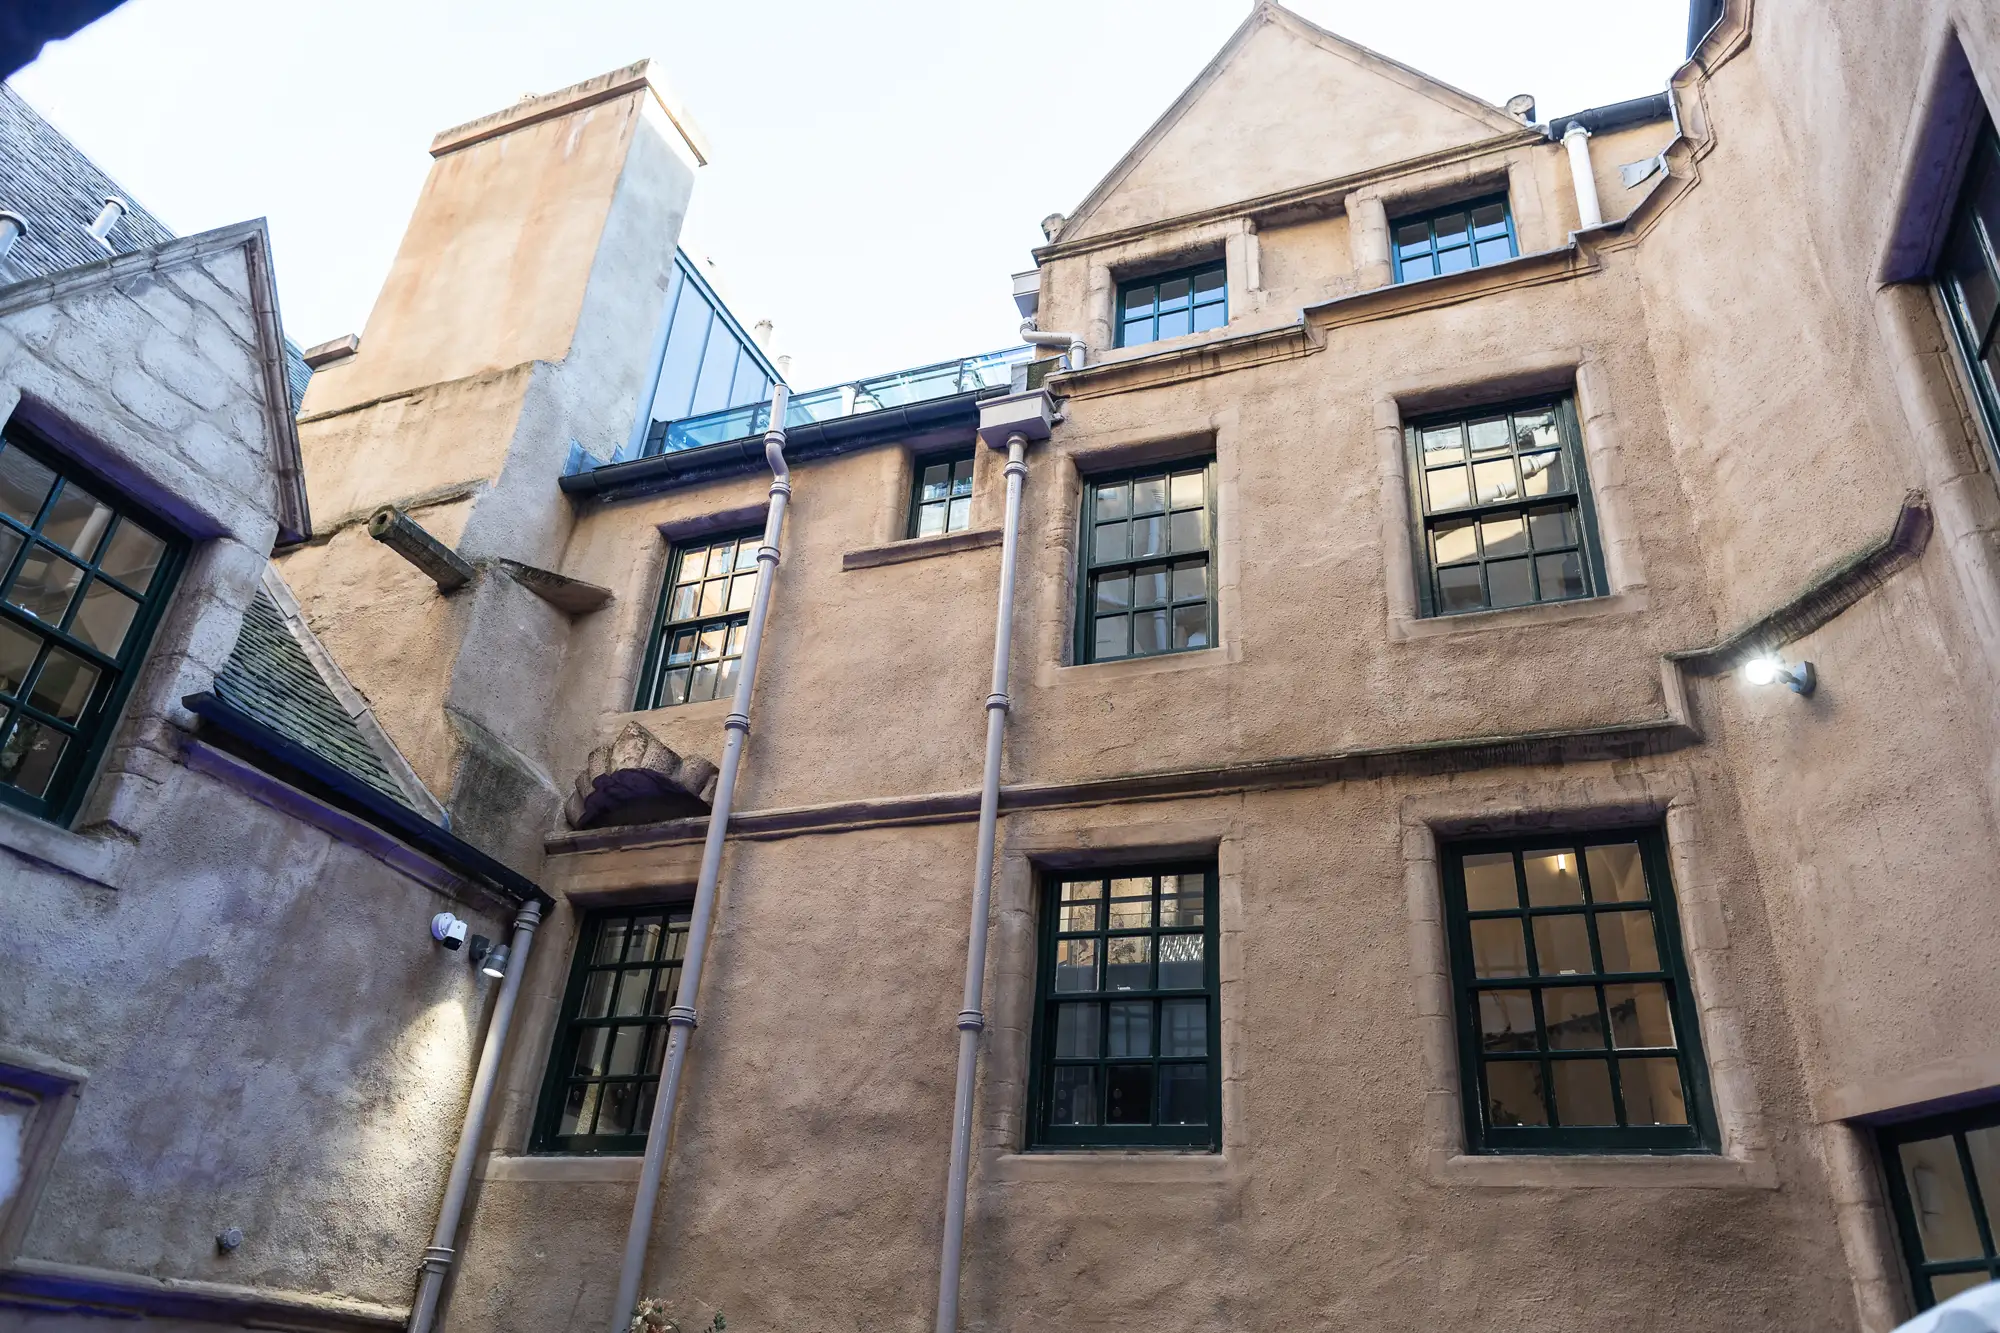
pixel 361 799
pixel 818 439
pixel 1616 116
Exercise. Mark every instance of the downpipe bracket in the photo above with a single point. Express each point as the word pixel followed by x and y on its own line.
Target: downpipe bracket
pixel 971 1020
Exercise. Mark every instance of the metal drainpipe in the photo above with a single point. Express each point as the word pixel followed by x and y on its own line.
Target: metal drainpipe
pixel 439 1257
pixel 970 1020
pixel 681 1017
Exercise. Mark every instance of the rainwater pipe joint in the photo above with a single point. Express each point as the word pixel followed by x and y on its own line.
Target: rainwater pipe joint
pixel 1071 343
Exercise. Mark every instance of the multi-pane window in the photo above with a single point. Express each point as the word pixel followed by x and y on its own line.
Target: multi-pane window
pixel 1167 305
pixel 1944 1183
pixel 82 581
pixel 1576 1021
pixel 1504 516
pixel 1127 1030
pixel 1451 240
pixel 612 1037
pixel 1969 275
pixel 1148 567
pixel 697 646
pixel 943 499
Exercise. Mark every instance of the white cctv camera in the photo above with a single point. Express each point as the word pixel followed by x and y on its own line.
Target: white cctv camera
pixel 448 930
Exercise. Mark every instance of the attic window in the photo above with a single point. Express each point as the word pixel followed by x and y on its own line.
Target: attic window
pixel 1167 305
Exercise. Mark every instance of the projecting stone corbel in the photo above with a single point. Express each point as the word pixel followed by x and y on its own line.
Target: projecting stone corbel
pixel 573 596
pixel 635 778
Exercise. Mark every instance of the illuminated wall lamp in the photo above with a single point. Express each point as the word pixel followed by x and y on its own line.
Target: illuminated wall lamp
pixel 1771 670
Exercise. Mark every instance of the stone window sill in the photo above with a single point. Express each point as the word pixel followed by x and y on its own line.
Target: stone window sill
pixel 1112 1167
pixel 920 548
pixel 97 860
pixel 1690 1171
pixel 1124 667
pixel 563 1170
pixel 1518 617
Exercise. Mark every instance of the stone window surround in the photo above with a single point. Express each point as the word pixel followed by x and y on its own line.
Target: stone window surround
pixel 1055 573
pixel 1574 370
pixel 1001 1128
pixel 1234 240
pixel 1581 803
pixel 51 1089
pixel 1371 208
pixel 893 544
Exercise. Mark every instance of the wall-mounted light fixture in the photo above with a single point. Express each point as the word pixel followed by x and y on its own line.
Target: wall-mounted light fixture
pixel 448 930
pixel 495 965
pixel 1769 669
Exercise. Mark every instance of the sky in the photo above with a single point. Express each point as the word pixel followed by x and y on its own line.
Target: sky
pixel 880 167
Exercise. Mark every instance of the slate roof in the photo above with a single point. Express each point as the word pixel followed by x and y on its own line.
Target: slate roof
pixel 269 676
pixel 49 182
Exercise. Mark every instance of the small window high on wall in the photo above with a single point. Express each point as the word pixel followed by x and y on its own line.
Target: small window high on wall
pixel 1968 275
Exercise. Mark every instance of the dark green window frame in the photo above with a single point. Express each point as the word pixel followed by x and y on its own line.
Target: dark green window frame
pixel 941 494
pixel 1453 239
pixel 611 1036
pixel 1968 276
pixel 85 575
pixel 1166 305
pixel 1504 515
pixel 1110 1039
pixel 1146 563
pixel 1529 1027
pixel 1944 1186
pixel 697 640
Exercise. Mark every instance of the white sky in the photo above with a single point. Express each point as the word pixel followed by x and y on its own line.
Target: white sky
pixel 880 165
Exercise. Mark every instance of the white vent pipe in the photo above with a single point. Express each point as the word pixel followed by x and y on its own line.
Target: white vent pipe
pixel 1072 343
pixel 439 1257
pixel 1589 212
pixel 681 1017
pixel 12 228
pixel 970 1020
pixel 107 218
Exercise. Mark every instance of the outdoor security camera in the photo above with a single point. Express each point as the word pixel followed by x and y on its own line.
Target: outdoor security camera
pixel 448 930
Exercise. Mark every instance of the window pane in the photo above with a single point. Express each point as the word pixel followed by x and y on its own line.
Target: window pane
pixel 1552 878
pixel 1494 480
pixel 24 485
pixel 1626 940
pixel 104 617
pixel 1640 1015
pixel 1188 489
pixel 1075 1095
pixel 1504 535
pixel 1494 251
pixel 1489 882
pixel 1110 542
pixel 1652 1091
pixel 1442 443
pixel 1076 965
pixel 1137 332
pixel 1453 542
pixel 1490 436
pixel 1173 294
pixel 1413 238
pixel 1184 1027
pixel 1181 900
pixel 718 366
pixel 1209 317
pixel 1129 1034
pixel 1535 430
pixel 1073 918
pixel 29 756
pixel 45 585
pixel 746 553
pixel 1498 949
pixel 1508 583
pixel 714 597
pixel 1489 219
pixel 1514 1094
pixel 1944 1286
pixel 77 521
pixel 960 517
pixel 702 684
pixel 1552 527
pixel 1184 531
pixel 709 643
pixel 1560 576
pixel 1131 904
pixel 1139 302
pixel 1420 266
pixel 1562 946
pixel 17 656
pixel 1076 1031
pixel 1446 489
pixel 1150 586
pixel 682 604
pixel 742 590
pixel 1209 286
pixel 685 344
pixel 1616 874
pixel 1114 592
pixel 936 482
pixel 1938 1199
pixel 681 651
pixel 1450 229
pixel 1128 962
pixel 1111 638
pixel 1545 474
pixel 675 689
pixel 63 687
pixel 1583 1093
pixel 591 1046
pixel 1984 1147
pixel 1082 890
pixel 1573 1020
pixel 1149 633
pixel 1459 590
pixel 1183 1094
pixel 1190 627
pixel 1149 495
pixel 1180 962
pixel 1454 261
pixel 1506 1020
pixel 1175 323
pixel 1971 279
pixel 1129 1095
pixel 1190 582
pixel 1149 536
pixel 1111 501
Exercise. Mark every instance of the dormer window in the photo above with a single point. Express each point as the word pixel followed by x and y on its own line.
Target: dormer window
pixel 1453 239
pixel 1167 305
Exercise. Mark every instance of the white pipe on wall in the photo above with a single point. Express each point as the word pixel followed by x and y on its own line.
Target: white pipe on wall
pixel 1589 212
pixel 439 1257
pixel 1072 343
pixel 681 1017
pixel 970 1019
